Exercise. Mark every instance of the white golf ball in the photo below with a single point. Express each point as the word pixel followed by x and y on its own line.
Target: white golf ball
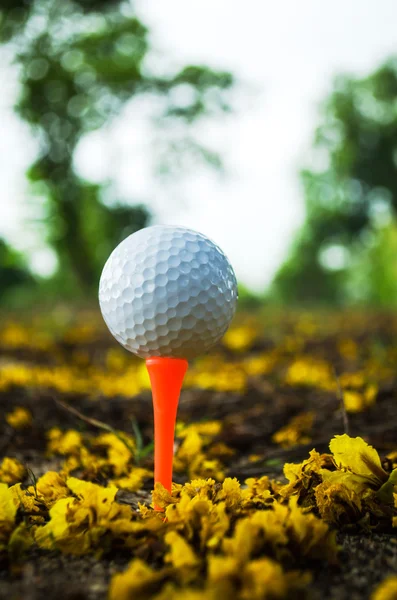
pixel 167 291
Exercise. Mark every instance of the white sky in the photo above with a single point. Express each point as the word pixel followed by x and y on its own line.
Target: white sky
pixel 286 52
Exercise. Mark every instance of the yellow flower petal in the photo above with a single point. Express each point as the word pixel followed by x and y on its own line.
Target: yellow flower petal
pixel 355 455
pixel 136 582
pixel 387 590
pixel 19 418
pixel 12 471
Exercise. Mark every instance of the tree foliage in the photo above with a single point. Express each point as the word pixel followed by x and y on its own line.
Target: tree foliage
pixel 353 196
pixel 80 61
pixel 13 270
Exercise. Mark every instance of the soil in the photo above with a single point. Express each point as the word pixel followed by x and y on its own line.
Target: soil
pixel 249 421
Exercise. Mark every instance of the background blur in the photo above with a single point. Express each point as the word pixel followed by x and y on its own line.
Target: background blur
pixel 270 127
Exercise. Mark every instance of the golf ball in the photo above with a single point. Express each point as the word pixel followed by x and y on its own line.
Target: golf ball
pixel 167 291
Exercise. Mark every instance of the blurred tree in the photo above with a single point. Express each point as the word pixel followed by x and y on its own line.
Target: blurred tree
pixel 80 62
pixel 350 200
pixel 13 270
pixel 249 300
pixel 373 275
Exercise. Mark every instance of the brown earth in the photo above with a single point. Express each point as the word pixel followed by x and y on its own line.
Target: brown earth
pixel 249 421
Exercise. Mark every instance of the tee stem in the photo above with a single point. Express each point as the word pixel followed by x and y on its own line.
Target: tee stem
pixel 166 378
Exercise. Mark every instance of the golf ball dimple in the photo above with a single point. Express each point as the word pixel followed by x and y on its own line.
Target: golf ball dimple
pixel 167 291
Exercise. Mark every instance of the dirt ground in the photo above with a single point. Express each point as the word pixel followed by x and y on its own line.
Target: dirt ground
pixel 249 420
